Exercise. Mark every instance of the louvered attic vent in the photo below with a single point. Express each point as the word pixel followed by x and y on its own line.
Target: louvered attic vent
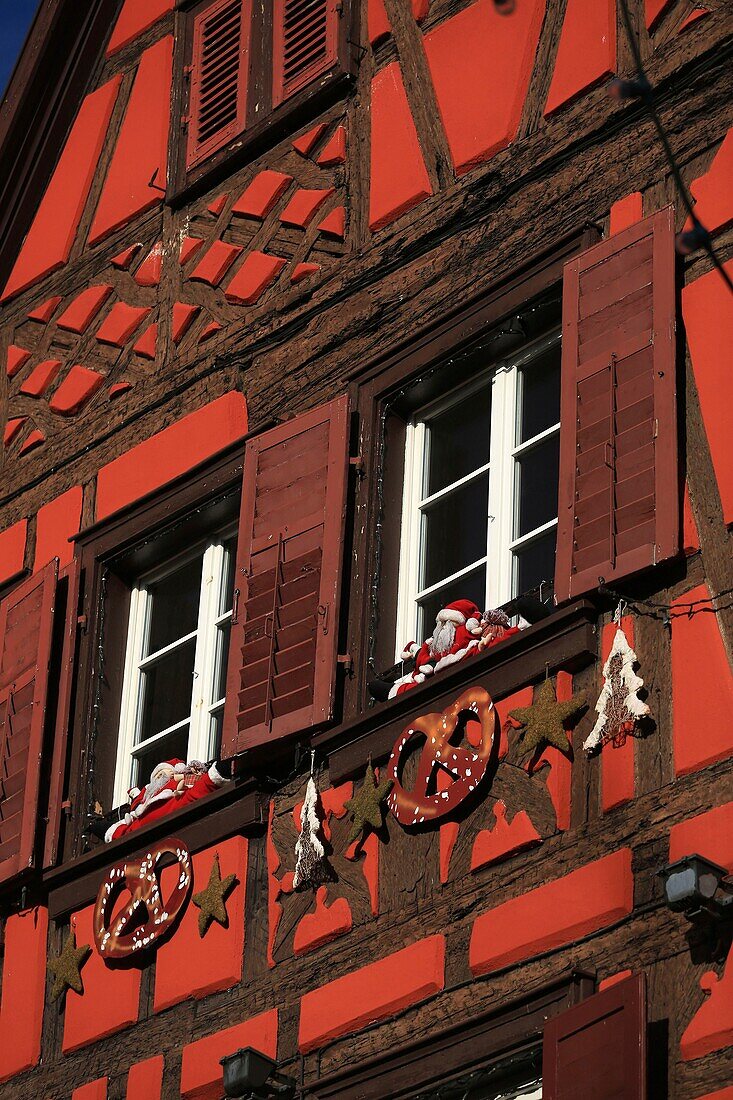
pixel 248 61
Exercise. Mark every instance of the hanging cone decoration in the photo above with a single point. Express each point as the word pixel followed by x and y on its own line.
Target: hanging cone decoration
pixel 619 707
pixel 311 867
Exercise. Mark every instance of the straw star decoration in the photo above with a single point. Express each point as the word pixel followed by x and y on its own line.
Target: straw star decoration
pixel 212 901
pixel 543 721
pixel 367 807
pixel 66 967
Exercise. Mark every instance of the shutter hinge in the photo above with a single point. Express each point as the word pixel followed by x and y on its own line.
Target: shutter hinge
pixel 82 623
pixel 322 613
pixel 347 661
pixel 185 120
pixel 358 464
pixel 66 807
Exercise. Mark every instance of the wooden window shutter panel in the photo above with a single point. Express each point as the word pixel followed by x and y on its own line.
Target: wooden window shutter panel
pixel 283 649
pixel 305 43
pixel 26 631
pixel 619 480
pixel 596 1050
pixel 219 77
pixel 70 574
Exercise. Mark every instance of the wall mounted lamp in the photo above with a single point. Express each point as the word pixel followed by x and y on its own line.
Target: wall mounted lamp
pixel 250 1075
pixel 698 888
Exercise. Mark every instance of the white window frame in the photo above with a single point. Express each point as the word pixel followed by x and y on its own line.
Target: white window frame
pixel 206 667
pixel 503 500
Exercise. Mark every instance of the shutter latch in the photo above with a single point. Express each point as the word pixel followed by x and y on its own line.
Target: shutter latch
pixel 347 661
pixel 323 614
pixel 358 464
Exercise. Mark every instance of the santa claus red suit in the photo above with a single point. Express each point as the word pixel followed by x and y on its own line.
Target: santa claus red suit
pixel 173 784
pixel 457 633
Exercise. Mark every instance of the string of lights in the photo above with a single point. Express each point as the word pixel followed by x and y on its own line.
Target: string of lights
pixel 665 612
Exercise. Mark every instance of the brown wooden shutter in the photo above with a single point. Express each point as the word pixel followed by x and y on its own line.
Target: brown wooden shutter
pixel 282 658
pixel 596 1050
pixel 305 43
pixel 619 490
pixel 26 629
pixel 219 71
pixel 70 576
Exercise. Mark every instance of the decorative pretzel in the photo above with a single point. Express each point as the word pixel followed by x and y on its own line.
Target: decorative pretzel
pixel 115 938
pixel 463 769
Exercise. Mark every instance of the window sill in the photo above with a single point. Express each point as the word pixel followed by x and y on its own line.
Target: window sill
pixel 235 808
pixel 565 640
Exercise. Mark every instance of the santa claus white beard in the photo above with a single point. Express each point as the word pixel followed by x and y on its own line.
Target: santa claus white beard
pixel 442 639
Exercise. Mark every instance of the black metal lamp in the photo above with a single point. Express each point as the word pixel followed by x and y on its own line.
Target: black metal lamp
pixel 250 1075
pixel 698 888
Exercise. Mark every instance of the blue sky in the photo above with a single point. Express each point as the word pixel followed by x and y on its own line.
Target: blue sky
pixel 16 17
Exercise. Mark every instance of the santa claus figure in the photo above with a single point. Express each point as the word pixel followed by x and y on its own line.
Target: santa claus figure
pixel 458 631
pixel 173 784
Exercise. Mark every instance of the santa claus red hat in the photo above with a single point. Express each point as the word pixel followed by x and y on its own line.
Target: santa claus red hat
pixel 459 612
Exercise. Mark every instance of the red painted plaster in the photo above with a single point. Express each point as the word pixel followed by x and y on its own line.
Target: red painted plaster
pixel 303 271
pixel 707 308
pixel 372 993
pixel 711 1028
pixel 274 908
pixel 189 966
pixel 124 259
pixel 110 998
pixel 420 9
pixel 121 323
pixel 334 151
pixel 140 157
pixel 587 51
pixel 378 22
pixel 213 266
pixel 189 248
pixel 302 207
pixel 119 388
pixel 721 1094
pixel 259 198
pixel 521 698
pixel 12 427
pixel 399 179
pixel 504 839
pixel 212 328
pixel 698 13
pixel 617 764
pixel 24 981
pixel 201 1074
pixel 713 191
pixel 627 211
pixel 218 204
pixel 151 269
pixel 94 1090
pixel 326 923
pixel 481 103
pixel 614 979
pixel 136 16
pixel 56 523
pixel 145 1079
pixel 654 9
pixel 41 377
pixel 334 224
pixel 146 344
pixel 709 834
pixel 78 316
pixel 17 358
pixel 49 240
pixel 253 278
pixel 75 391
pixel 702 689
pixel 35 439
pixel 690 535
pixel 306 141
pixel 46 310
pixel 183 317
pixel 567 909
pixel 171 452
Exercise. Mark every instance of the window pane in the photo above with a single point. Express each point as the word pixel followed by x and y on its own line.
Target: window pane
pixel 454 530
pixel 458 440
pixel 537 477
pixel 540 389
pixel 166 690
pixel 172 747
pixel 470 587
pixel 535 564
pixel 175 605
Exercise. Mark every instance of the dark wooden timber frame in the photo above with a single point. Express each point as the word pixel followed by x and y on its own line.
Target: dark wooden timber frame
pixel 469 1046
pixel 372 394
pixel 98 547
pixel 265 125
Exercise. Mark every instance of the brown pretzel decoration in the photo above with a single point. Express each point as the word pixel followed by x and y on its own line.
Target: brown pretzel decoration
pixel 463 768
pixel 140 878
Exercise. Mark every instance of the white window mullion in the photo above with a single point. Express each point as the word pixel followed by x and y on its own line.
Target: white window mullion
pixel 205 657
pixel 501 486
pixel 410 536
pixel 137 629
